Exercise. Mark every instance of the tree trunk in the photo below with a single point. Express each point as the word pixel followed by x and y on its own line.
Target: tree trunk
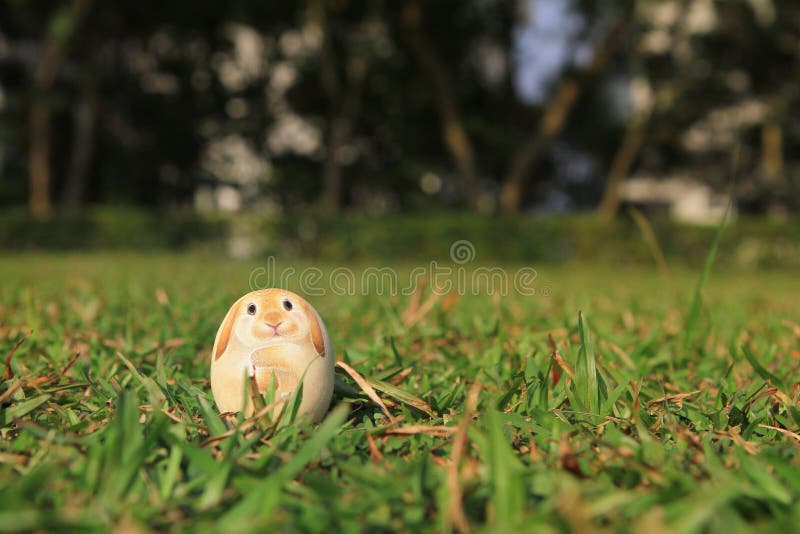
pixel 345 105
pixel 332 172
pixel 553 120
pixel 83 147
pixel 39 159
pixel 772 152
pixel 622 163
pixel 454 134
pixel 52 54
pixel 551 123
pixel 636 129
pixel 39 129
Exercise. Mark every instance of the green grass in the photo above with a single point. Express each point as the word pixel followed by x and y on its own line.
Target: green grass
pixel 636 424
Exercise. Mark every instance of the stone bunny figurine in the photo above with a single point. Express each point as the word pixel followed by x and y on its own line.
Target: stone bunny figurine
pixel 272 333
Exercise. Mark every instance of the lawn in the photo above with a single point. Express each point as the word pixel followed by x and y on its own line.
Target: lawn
pixel 601 402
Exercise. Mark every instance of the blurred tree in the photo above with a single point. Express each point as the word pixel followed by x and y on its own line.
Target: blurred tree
pixel 61 26
pixel 454 133
pixel 351 104
pixel 643 101
pixel 707 77
pixel 342 77
pixel 553 118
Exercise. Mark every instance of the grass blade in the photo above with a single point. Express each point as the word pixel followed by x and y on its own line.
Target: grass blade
pixel 761 370
pixel 260 500
pixel 697 300
pixel 586 370
pixel 507 488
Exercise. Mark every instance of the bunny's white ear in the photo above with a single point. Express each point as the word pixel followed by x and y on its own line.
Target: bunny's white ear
pixel 316 328
pixel 224 332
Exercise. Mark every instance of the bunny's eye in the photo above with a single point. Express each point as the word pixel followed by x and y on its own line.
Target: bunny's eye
pixel 287 305
pixel 251 309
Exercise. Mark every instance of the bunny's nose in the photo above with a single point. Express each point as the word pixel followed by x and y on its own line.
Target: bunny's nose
pixel 274 326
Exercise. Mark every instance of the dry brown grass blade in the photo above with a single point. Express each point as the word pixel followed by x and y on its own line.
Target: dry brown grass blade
pixel 450 300
pixel 10 391
pixel 567 457
pixel 14 459
pixel 415 300
pixel 416 310
pixel 374 453
pixel 42 380
pixel 399 377
pixel 67 367
pixel 559 361
pixel 456 518
pixel 557 332
pixel 435 430
pixel 652 241
pixel 172 416
pixel 365 387
pixel 173 343
pixel 635 389
pixel 7 374
pixel 677 398
pixel 623 356
pixel 750 447
pixel 422 311
pixel 246 425
pixel 789 433
pixel 794 327
pixel 162 297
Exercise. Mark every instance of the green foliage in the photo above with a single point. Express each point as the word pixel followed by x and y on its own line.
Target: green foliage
pixel 108 228
pixel 359 237
pixel 616 435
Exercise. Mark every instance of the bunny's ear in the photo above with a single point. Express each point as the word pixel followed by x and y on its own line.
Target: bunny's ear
pixel 224 332
pixel 316 328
